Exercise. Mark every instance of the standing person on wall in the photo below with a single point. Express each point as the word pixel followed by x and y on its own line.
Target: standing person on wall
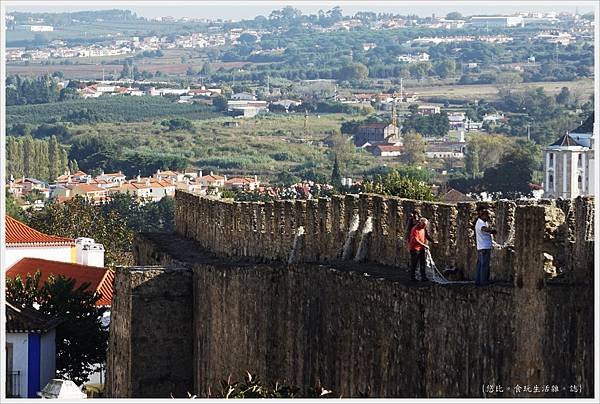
pixel 483 236
pixel 417 246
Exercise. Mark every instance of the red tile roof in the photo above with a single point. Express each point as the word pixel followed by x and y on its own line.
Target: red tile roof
pixel 20 235
pixel 99 279
pixel 211 177
pixel 240 180
pixel 88 188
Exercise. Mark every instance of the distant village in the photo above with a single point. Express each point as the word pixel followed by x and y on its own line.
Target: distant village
pixel 216 35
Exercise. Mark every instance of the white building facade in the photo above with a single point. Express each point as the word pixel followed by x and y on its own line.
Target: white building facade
pixel 569 166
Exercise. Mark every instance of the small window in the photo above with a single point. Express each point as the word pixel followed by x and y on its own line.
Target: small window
pixel 579 160
pixel 579 182
pixel 551 158
pixel 551 182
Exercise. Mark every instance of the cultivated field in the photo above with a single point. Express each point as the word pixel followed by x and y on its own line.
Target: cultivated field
pixel 583 87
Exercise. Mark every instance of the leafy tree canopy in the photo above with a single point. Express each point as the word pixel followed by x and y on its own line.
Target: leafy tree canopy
pixel 81 339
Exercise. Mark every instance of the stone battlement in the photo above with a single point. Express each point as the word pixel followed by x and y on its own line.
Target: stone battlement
pixel 307 291
pixel 373 228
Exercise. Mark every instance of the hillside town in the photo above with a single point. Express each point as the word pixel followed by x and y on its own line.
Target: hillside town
pixel 217 35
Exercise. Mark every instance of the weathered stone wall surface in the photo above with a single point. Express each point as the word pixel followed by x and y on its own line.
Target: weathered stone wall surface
pixel 334 228
pixel 354 326
pixel 351 332
pixel 150 344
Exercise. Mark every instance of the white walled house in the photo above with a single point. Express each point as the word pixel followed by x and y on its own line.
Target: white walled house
pixel 23 241
pixel 30 351
pixel 569 164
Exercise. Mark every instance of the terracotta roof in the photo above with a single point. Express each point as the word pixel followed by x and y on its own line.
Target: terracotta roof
pixel 20 235
pixel 168 172
pixel 455 196
pixel 99 279
pixel 61 199
pixel 566 140
pixel 212 178
pixel 240 180
pixel 88 188
pixel 28 320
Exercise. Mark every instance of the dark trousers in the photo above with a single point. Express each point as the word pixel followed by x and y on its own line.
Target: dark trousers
pixel 483 267
pixel 417 258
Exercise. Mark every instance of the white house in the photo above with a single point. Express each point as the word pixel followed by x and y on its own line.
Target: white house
pixel 30 351
pixel 23 241
pixel 569 163
pixel 501 21
pixel 243 97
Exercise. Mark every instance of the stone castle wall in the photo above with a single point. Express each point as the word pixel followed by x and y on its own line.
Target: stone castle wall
pixel 334 229
pixel 323 318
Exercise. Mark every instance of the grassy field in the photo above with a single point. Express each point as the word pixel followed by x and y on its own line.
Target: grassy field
pixel 263 145
pixel 583 87
pixel 174 62
pixel 113 109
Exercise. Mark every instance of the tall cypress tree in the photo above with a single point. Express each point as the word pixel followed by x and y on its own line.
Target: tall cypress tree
pixel 42 165
pixel 54 158
pixel 28 156
pixel 336 177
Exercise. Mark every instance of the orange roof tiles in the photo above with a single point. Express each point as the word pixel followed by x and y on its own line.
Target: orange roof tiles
pixel 20 235
pixel 87 188
pixel 212 178
pixel 240 180
pixel 100 280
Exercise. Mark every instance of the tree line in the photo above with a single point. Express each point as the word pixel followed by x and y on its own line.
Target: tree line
pixel 43 159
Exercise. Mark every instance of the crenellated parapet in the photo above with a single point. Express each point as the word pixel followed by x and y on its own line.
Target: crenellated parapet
pixel 373 228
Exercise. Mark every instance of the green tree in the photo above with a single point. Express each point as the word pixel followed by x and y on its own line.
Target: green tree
pixel 219 102
pixel 507 82
pixel 95 152
pixel 178 124
pixel 286 178
pixel 336 176
pixel 454 15
pixel 472 160
pixel 79 218
pixel 413 151
pixel 81 339
pixel 395 184
pixel 42 162
pixel 444 68
pixel 353 71
pixel 207 69
pixel 564 97
pixel 513 174
pixel 28 156
pixel 247 39
pixel 73 166
pixel 12 209
pixel 485 151
pixel 419 70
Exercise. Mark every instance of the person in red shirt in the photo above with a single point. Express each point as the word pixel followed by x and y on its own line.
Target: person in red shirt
pixel 417 245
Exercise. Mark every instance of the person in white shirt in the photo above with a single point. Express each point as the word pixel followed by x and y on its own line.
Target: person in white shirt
pixel 483 235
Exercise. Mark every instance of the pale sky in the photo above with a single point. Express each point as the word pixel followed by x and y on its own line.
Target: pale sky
pixel 250 9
